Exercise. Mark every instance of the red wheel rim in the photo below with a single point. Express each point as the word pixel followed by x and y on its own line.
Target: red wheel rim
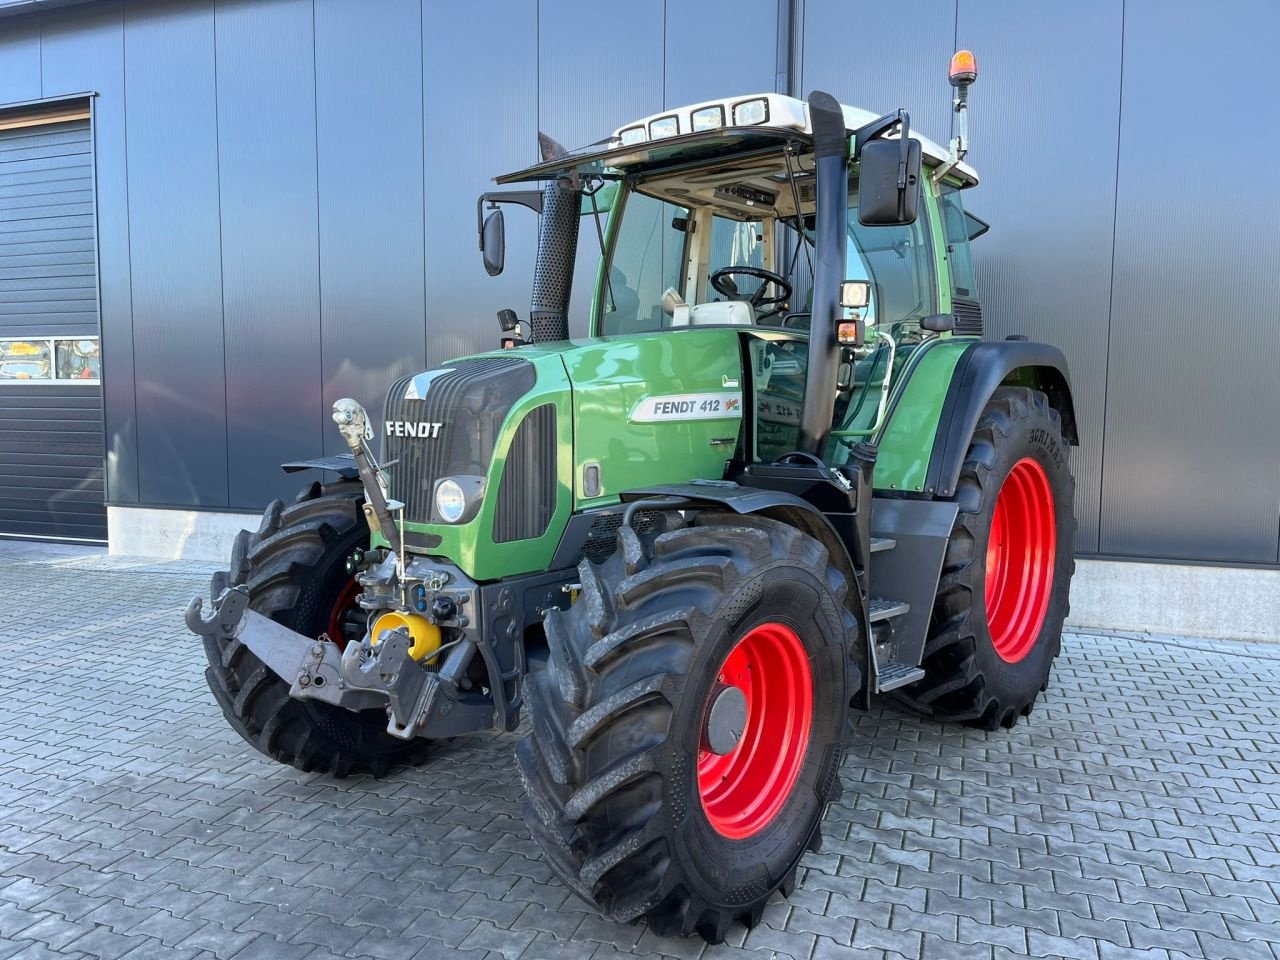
pixel 1020 555
pixel 743 790
pixel 341 607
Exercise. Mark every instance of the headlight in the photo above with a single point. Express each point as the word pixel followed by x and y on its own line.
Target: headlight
pixel 458 499
pixel 451 501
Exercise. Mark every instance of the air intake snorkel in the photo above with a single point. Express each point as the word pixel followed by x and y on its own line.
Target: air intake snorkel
pixel 831 153
pixel 557 251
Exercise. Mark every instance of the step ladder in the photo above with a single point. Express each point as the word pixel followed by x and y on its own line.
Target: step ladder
pixel 886 673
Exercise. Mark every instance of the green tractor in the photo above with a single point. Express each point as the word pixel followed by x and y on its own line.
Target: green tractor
pixel 783 475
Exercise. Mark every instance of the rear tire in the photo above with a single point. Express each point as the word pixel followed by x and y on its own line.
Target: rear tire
pixel 1006 575
pixel 634 813
pixel 295 569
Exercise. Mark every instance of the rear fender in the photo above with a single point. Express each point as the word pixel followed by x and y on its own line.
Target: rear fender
pixel 983 368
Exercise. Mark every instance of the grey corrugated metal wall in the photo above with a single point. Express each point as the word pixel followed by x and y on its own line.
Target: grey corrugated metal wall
pixel 285 216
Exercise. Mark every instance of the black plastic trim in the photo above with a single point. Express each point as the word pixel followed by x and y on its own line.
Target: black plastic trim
pixel 507 609
pixel 344 464
pixel 837 531
pixel 981 369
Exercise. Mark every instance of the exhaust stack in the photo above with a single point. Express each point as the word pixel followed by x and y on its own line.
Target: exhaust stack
pixel 557 252
pixel 831 150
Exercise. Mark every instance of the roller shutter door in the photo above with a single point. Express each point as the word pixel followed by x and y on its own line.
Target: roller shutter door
pixel 51 426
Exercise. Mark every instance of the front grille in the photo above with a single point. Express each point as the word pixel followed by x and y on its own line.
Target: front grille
pixel 968 314
pixel 469 399
pixel 527 491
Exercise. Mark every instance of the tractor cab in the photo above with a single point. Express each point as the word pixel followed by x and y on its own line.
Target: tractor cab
pixel 707 215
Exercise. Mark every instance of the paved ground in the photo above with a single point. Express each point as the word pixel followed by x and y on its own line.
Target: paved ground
pixel 1137 815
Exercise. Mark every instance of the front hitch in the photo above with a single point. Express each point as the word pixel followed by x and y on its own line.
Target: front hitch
pixel 354 679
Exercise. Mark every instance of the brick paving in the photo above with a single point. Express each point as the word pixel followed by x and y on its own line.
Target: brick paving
pixel 1136 816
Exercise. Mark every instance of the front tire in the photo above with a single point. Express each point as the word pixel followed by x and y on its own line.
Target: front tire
pixel 295 569
pixel 1006 575
pixel 635 811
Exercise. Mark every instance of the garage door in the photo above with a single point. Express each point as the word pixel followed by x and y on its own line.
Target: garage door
pixel 51 428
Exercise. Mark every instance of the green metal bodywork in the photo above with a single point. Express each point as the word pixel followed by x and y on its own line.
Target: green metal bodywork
pixel 471 545
pixel 615 378
pixel 598 387
pixel 906 442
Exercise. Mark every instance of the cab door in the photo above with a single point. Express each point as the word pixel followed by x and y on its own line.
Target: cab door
pixel 778 360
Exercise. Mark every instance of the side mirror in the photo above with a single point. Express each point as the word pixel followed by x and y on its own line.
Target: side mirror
pixel 881 202
pixel 493 243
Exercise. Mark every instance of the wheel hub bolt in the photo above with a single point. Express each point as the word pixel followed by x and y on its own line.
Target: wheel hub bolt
pixel 726 719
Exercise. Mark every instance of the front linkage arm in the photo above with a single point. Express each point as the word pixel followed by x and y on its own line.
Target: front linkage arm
pixel 317 670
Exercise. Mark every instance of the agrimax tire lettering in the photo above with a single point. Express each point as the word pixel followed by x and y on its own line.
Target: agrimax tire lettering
pixel 1049 443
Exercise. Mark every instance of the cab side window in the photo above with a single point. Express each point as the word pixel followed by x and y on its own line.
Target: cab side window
pixel 958 229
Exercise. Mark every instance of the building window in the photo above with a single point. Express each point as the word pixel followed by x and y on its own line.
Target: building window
pixel 38 360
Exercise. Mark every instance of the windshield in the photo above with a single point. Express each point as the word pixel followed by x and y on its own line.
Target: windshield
pixel 658 251
pixel 648 258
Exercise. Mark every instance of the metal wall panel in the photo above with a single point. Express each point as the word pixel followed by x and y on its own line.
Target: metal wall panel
pixel 369 128
pixel 1191 454
pixel 586 89
pixel 83 50
pixel 270 248
pixel 882 56
pixel 20 61
pixel 176 254
pixel 1044 269
pixel 743 33
pixel 475 131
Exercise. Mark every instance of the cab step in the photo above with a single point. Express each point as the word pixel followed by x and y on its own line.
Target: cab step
pixel 879 609
pixel 894 675
pixel 882 543
pixel 889 674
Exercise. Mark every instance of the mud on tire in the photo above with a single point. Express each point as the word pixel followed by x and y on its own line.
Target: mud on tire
pixel 966 679
pixel 295 569
pixel 611 764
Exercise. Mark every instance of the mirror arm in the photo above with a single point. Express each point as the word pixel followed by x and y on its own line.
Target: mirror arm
pixel 526 198
pixel 878 128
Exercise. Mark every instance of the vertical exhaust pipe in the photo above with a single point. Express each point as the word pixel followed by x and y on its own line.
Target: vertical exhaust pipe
pixel 831 152
pixel 557 251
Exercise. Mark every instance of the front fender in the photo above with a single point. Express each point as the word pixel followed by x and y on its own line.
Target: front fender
pixel 773 504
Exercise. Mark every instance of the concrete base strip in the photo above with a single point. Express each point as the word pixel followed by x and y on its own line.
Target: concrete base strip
pixel 1227 603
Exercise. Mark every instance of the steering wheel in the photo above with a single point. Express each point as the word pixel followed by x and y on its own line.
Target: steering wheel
pixel 722 281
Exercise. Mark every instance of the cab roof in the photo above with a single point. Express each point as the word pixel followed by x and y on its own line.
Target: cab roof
pixel 754 123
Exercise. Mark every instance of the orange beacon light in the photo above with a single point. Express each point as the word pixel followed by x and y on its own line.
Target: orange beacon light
pixel 964 68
